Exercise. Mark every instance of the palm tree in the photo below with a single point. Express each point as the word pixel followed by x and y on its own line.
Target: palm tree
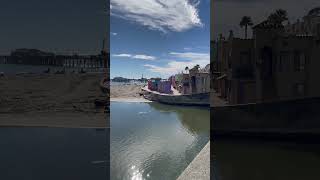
pixel 278 17
pixel 245 22
pixel 314 11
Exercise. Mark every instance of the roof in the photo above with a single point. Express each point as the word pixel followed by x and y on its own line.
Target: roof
pixel 206 69
pixel 268 25
pixel 222 77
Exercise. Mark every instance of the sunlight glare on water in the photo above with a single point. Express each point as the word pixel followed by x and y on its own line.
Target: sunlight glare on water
pixel 158 144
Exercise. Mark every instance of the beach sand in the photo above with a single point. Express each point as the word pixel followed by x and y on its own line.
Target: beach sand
pixel 126 93
pixel 52 100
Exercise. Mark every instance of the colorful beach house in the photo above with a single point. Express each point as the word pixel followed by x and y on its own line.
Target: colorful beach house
pixel 165 87
pixel 197 81
pixel 153 84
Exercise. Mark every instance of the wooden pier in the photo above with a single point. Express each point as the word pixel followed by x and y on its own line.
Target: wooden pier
pixel 69 61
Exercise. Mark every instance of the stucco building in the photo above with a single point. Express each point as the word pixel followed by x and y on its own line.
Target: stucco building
pixel 196 81
pixel 278 62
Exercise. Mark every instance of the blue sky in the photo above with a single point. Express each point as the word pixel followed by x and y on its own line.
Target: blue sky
pixel 158 38
pixel 54 25
pixel 228 13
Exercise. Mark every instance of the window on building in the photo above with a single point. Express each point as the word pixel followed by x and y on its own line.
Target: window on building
pixel 296 61
pixel 283 59
pixel 285 43
pixel 318 42
pixel 280 63
pixel 302 62
pixel 299 61
pixel 299 89
pixel 245 58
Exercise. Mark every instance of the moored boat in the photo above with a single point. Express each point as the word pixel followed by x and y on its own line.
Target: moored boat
pixel 198 99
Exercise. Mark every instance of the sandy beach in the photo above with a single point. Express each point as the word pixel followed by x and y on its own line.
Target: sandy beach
pixel 126 93
pixel 53 100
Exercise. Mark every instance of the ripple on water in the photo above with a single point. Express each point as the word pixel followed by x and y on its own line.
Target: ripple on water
pixel 158 144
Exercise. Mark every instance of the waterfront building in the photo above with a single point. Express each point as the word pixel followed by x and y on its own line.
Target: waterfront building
pixel 153 84
pixel 278 62
pixel 164 86
pixel 196 81
pixel 310 24
pixel 185 84
pixel 173 81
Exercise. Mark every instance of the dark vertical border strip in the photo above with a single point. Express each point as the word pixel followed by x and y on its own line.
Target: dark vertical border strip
pixel 106 53
pixel 212 162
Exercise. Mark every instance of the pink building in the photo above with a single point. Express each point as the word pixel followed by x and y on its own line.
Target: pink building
pixel 164 87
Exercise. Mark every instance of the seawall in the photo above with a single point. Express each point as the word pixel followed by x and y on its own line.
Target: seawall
pixel 288 117
pixel 199 168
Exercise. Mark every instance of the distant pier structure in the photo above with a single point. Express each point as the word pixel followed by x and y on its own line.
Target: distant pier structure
pixel 38 57
pixel 4 59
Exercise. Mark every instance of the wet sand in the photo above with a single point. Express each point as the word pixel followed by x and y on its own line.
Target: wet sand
pixel 52 100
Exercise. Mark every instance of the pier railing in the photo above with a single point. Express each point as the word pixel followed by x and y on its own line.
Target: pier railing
pixel 68 61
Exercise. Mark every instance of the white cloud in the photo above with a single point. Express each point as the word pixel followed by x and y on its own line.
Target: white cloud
pixel 188 59
pixel 136 56
pixel 191 55
pixel 144 57
pixel 122 55
pixel 114 33
pixel 162 15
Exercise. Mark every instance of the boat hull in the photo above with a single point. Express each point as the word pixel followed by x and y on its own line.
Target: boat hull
pixel 200 99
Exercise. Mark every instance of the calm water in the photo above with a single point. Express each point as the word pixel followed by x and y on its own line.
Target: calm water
pixel 265 160
pixel 155 141
pixel 53 153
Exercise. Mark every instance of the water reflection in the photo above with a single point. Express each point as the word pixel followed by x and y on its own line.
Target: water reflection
pixel 194 119
pixel 265 160
pixel 155 141
pixel 136 174
pixel 53 153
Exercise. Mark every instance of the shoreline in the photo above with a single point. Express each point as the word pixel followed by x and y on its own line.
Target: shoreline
pixel 128 99
pixel 126 93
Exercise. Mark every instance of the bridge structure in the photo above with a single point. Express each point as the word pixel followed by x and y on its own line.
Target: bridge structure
pixel 68 61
